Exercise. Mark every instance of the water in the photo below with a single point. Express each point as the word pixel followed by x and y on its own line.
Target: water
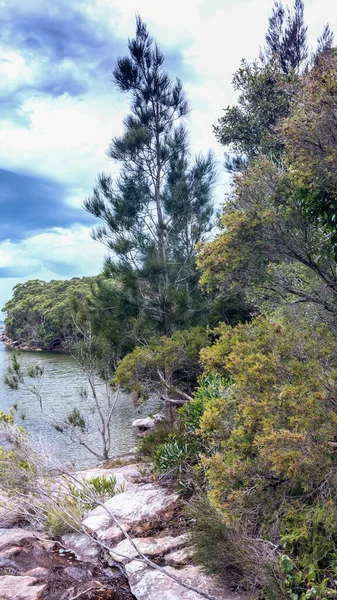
pixel 62 382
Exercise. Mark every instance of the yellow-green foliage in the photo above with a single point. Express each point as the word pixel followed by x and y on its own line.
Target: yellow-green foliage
pixel 273 469
pixel 166 365
pixel 63 519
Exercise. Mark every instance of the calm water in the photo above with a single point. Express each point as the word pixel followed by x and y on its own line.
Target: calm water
pixel 62 382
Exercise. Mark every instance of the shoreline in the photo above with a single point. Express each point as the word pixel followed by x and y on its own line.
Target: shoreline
pixel 16 345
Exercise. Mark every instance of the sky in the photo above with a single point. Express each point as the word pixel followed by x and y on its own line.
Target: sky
pixel 60 109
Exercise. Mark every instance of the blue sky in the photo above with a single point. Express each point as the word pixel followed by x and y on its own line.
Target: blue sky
pixel 59 109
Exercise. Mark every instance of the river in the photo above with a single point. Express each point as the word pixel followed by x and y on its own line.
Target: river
pixel 61 385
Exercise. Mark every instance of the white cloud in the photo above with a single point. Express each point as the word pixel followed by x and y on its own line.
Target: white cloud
pixel 56 254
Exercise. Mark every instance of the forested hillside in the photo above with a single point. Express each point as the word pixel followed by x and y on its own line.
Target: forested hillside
pixel 235 327
pixel 42 314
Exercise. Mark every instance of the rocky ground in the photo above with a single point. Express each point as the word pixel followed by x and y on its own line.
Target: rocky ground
pixel 33 567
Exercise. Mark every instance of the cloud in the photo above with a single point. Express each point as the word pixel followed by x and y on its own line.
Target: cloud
pixel 55 48
pixel 57 254
pixel 31 204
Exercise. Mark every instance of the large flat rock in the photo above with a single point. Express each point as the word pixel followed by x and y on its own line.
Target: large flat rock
pixel 20 588
pixel 150 584
pixel 138 507
pixel 151 546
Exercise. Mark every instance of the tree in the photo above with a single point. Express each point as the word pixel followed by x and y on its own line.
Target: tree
pixel 286 38
pixel 266 87
pixel 309 135
pixel 168 367
pixel 160 205
pixel 41 314
pixel 269 248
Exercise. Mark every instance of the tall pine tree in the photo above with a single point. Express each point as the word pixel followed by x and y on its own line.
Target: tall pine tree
pixel 160 205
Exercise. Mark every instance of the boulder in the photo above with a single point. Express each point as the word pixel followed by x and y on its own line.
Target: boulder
pixel 150 584
pixel 20 588
pixel 136 509
pixel 17 537
pixel 148 422
pixel 151 546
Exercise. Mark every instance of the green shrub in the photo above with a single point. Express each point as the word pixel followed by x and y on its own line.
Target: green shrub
pixel 172 456
pixel 97 489
pixel 148 445
pixel 211 386
pixel 228 552
pixel 64 518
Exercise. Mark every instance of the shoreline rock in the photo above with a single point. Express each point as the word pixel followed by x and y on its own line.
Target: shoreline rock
pixel 33 567
pixel 16 345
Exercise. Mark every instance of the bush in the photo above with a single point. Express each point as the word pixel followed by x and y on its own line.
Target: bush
pixel 148 445
pixel 271 462
pixel 231 554
pixel 63 519
pixel 97 489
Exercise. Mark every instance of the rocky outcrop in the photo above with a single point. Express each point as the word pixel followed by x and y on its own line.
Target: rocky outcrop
pixel 19 345
pixel 138 509
pixel 33 567
pixel 150 584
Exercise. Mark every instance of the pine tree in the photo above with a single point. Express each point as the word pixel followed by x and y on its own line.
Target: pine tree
pixel 286 38
pixel 159 206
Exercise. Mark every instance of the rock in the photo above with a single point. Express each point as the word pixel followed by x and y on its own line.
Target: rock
pixel 17 537
pixel 34 568
pixel 137 508
pixel 7 557
pixel 150 584
pixel 20 588
pixel 130 472
pixel 38 572
pixel 180 557
pixel 148 422
pixel 151 546
pixel 8 516
pixel 85 548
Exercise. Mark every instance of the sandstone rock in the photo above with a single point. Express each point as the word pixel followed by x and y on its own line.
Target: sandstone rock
pixel 150 584
pixel 16 537
pixel 180 557
pixel 148 422
pixel 139 507
pixel 85 548
pixel 130 472
pixel 151 546
pixel 20 588
pixel 38 573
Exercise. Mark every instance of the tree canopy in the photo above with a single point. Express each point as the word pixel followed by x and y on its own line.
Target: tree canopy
pixel 160 205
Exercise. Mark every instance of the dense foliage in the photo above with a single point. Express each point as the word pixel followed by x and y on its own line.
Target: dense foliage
pixel 42 314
